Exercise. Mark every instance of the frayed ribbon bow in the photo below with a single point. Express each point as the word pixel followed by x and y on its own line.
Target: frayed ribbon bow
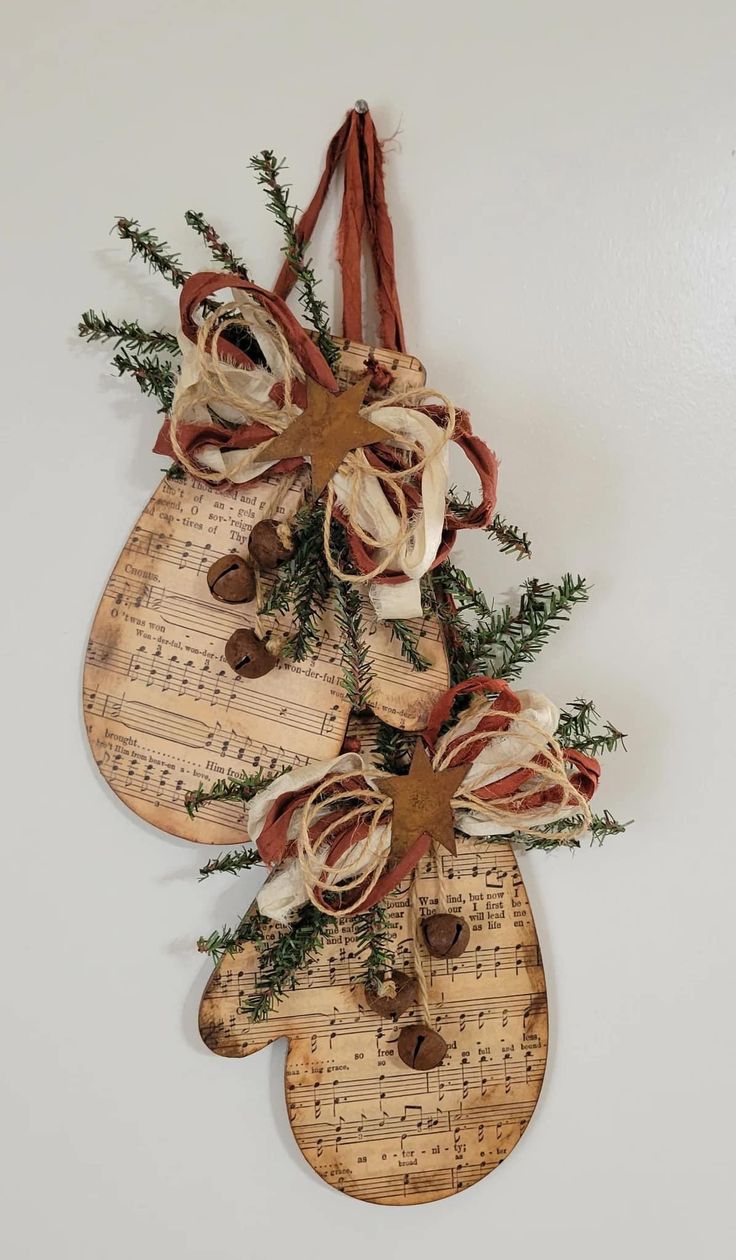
pixel 325 829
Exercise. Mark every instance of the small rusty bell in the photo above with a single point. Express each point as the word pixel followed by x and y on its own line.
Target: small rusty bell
pixel 405 996
pixel 270 544
pixel 446 935
pixel 248 655
pixel 421 1048
pixel 232 580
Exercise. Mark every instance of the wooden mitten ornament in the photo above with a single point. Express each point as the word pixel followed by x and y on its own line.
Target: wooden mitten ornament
pixel 285 656
pixel 366 1122
pixel 165 713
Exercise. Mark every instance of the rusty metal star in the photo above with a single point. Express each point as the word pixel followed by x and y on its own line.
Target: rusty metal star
pixel 422 803
pixel 329 427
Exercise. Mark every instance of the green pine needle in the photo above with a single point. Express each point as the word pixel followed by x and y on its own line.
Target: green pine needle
pixel 231 940
pixel 268 168
pixel 235 788
pixel 578 729
pixel 373 938
pixel 231 863
pixel 511 540
pixel 158 255
pixel 220 250
pixel 408 639
pixel 154 378
pixel 97 326
pixel 281 962
pixel 303 584
pixel 552 835
pixel 394 748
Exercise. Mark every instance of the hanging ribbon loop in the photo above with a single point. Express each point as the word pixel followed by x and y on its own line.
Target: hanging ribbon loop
pixel 364 209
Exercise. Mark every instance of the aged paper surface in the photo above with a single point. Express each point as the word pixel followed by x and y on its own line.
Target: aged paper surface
pixel 368 1124
pixel 164 711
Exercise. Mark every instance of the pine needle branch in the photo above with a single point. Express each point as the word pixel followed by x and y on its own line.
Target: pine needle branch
pixel 357 675
pixel 408 640
pixel 373 938
pixel 450 580
pixel 579 729
pixel 154 378
pixel 268 168
pixel 604 825
pixel 511 540
pixel 220 250
pixel 394 748
pixel 506 641
pixel 552 835
pixel 303 584
pixel 231 863
pixel 235 788
pixel 231 940
pixel 280 962
pixel 157 254
pixel 97 326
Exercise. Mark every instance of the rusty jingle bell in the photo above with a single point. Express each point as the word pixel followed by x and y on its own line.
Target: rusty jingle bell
pixel 248 655
pixel 421 1048
pixel 405 996
pixel 270 544
pixel 232 580
pixel 446 935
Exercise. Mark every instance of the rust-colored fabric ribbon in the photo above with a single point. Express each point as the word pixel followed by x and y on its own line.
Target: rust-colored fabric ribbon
pixel 364 210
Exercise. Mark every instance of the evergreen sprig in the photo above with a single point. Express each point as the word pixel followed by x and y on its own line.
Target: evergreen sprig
pixel 231 863
pixel 220 250
pixel 231 940
pixel 349 618
pixel 578 729
pixel 511 540
pixel 158 255
pixel 507 640
pixel 604 825
pixel 154 377
pixel 303 584
pixel 280 962
pixel 394 748
pixel 373 938
pixel 408 640
pixel 268 169
pixel 452 581
pixel 552 835
pixel 235 788
pixel 97 326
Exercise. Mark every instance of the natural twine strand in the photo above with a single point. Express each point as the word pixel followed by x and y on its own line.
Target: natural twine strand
pixel 442 883
pixel 418 948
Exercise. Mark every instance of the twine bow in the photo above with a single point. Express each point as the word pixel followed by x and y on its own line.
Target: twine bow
pixel 391 497
pixel 326 828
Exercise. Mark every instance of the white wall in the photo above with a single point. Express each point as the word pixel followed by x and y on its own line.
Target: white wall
pixel 564 196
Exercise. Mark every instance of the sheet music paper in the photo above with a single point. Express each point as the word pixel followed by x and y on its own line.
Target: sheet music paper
pixel 164 711
pixel 368 1124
